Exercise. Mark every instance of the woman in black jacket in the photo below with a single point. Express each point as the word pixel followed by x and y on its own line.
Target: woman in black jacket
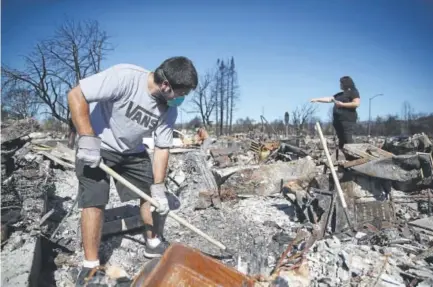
pixel 344 114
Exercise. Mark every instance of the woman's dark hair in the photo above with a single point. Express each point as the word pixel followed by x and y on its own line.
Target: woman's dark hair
pixel 179 71
pixel 347 83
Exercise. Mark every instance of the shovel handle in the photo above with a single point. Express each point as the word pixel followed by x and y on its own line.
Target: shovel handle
pixel 146 197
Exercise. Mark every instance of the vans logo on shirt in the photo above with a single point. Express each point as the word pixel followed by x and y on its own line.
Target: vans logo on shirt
pixel 141 116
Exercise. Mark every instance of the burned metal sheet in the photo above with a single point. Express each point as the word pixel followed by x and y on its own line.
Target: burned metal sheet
pixel 397 168
pixel 325 209
pixel 426 162
pixel 380 214
pixel 425 223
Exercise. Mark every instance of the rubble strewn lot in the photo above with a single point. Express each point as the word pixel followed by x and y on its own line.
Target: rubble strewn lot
pixel 261 199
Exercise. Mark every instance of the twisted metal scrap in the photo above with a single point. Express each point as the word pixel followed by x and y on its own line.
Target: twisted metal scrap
pixel 293 257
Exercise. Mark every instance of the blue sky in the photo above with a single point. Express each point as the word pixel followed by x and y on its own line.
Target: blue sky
pixel 286 52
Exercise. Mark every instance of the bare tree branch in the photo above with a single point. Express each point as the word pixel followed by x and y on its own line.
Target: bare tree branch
pixel 301 116
pixel 58 63
pixel 202 100
pixel 19 102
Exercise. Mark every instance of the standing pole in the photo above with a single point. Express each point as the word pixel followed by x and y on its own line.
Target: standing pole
pixel 369 117
pixel 369 114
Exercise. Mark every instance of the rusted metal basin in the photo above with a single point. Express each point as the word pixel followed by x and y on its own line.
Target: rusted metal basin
pixel 182 266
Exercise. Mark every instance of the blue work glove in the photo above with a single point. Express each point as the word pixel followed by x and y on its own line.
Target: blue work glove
pixel 158 194
pixel 89 150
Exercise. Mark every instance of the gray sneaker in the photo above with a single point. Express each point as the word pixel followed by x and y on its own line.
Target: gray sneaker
pixel 157 251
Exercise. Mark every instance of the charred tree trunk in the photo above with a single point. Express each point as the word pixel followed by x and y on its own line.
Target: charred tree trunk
pixel 231 93
pixel 222 68
pixel 227 91
pixel 217 103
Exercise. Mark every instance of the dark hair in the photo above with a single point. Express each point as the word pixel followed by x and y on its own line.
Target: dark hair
pixel 179 71
pixel 347 83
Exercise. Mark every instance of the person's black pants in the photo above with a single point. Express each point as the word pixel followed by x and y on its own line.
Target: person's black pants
pixel 344 130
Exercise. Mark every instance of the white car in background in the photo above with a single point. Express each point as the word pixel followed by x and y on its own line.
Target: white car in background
pixel 177 141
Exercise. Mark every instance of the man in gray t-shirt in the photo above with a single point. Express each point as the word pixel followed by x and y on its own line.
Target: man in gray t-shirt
pixel 112 112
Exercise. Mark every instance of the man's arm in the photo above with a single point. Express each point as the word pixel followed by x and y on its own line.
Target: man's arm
pixel 163 142
pixel 160 163
pixel 80 112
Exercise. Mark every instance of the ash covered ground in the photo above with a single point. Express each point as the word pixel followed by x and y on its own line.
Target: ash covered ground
pixel 256 228
pixel 259 199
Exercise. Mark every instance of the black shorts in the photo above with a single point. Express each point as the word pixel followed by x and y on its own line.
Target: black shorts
pixel 94 183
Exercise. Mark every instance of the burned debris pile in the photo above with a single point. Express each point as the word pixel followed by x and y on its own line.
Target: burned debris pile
pixel 27 180
pixel 408 144
pixel 273 202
